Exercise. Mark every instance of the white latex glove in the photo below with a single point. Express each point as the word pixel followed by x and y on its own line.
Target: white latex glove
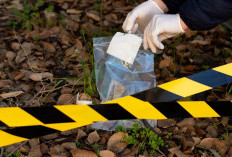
pixel 140 16
pixel 161 27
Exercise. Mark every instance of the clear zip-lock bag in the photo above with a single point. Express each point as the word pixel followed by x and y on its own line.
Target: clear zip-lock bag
pixel 116 78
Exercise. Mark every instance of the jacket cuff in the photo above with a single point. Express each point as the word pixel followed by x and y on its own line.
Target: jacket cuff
pixel 173 5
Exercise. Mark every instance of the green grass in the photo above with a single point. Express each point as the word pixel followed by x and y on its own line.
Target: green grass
pixel 16 154
pixel 143 138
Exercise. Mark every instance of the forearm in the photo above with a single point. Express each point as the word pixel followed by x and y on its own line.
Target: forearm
pixel 183 25
pixel 162 5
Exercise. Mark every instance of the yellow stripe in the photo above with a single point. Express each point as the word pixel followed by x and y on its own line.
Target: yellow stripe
pixel 184 87
pixel 15 116
pixel 139 108
pixel 82 113
pixel 8 139
pixel 226 69
pixel 67 126
pixel 198 109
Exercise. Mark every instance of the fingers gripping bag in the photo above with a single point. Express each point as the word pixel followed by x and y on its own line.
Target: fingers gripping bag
pixel 116 78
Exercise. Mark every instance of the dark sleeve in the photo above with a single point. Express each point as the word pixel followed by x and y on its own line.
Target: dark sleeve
pixel 205 14
pixel 173 5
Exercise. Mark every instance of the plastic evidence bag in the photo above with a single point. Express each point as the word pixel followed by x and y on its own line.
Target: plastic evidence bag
pixel 116 78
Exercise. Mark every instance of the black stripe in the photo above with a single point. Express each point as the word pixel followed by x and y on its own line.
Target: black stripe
pixel 156 95
pixel 31 131
pixel 112 111
pixel 171 109
pixel 223 108
pixel 3 124
pixel 211 78
pixel 48 115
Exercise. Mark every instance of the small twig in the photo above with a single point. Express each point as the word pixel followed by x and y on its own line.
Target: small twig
pixel 52 90
pixel 16 149
pixel 43 88
pixel 161 152
pixel 2 151
pixel 69 100
pixel 215 95
pixel 25 52
pixel 39 92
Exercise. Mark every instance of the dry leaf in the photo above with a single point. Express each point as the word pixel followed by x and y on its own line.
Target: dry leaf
pixel 225 120
pixel 208 142
pixel 48 47
pixel 11 94
pixel 82 153
pixel 4 83
pixel 80 134
pixel 69 145
pixel 186 122
pixel 200 42
pixel 116 139
pixel 222 147
pixel 36 77
pixel 47 75
pixel 56 150
pixel 165 63
pixel 190 68
pixel 202 124
pixel 166 123
pixel 66 99
pixel 74 11
pixel 10 55
pixel 212 131
pixel 15 46
pixel 106 153
pixel 35 151
pixel 178 153
pixel 93 16
pixel 93 137
pixel 21 75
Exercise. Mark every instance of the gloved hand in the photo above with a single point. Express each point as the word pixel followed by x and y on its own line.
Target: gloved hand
pixel 140 16
pixel 161 27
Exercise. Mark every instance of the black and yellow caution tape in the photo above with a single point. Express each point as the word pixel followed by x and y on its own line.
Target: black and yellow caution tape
pixel 188 86
pixel 35 121
pixel 150 104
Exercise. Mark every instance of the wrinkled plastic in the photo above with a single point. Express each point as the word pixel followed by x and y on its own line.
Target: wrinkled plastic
pixel 116 78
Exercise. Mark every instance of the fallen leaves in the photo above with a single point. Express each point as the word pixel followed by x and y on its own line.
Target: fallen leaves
pixel 15 46
pixel 190 68
pixel 40 76
pixel 176 151
pixel 93 137
pixel 66 99
pixel 186 122
pixel 82 153
pixel 115 142
pixel 74 11
pixel 93 16
pixel 48 47
pixel 69 145
pixel 107 153
pixel 4 83
pixel 11 94
pixel 36 77
pixel 166 123
pixel 165 63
